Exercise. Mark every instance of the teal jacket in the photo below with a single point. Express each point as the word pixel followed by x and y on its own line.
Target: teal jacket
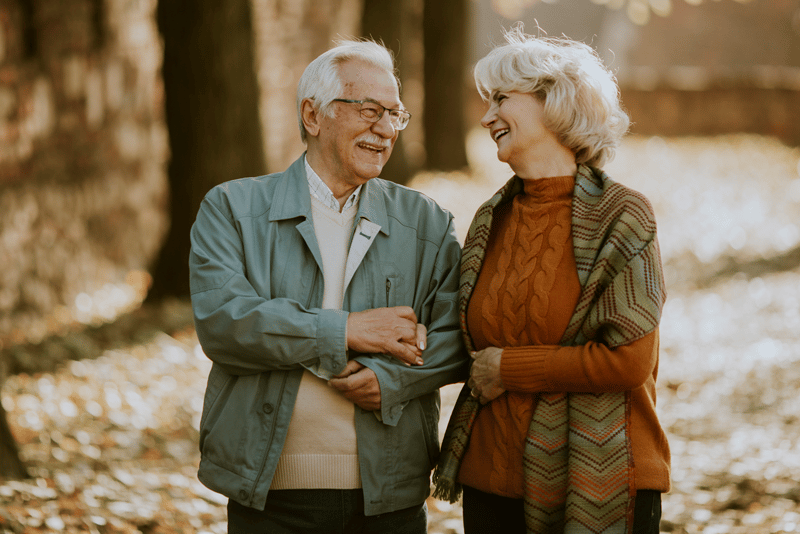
pixel 257 285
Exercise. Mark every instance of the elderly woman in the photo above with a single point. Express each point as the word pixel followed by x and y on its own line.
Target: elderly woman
pixel 561 295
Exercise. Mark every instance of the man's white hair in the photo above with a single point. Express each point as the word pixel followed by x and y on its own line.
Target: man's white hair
pixel 580 95
pixel 321 82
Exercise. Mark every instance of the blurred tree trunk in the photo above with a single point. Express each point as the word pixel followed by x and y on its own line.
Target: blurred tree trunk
pixel 384 22
pixel 211 107
pixel 11 466
pixel 445 31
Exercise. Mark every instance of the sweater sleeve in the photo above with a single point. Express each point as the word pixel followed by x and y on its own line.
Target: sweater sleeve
pixel 589 368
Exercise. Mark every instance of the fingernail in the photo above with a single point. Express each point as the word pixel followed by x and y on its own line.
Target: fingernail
pixel 419 361
pixel 421 345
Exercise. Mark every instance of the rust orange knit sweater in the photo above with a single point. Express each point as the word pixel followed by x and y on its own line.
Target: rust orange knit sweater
pixel 523 300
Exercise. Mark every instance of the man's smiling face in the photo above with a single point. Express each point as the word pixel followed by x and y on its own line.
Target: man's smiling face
pixel 350 150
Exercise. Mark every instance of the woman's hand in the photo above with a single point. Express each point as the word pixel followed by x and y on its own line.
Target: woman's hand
pixel 484 378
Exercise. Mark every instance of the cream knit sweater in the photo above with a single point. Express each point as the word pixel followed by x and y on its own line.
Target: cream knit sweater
pixel 320 451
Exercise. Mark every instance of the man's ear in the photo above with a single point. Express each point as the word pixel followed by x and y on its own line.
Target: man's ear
pixel 310 117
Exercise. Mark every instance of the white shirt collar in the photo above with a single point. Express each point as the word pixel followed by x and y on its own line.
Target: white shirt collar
pixel 323 193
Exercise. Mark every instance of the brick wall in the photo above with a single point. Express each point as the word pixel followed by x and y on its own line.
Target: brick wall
pixel 82 159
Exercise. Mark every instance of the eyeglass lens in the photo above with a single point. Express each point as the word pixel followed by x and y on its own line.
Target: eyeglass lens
pixel 373 112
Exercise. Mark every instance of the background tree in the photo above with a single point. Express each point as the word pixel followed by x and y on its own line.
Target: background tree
pixel 429 40
pixel 393 24
pixel 11 466
pixel 445 31
pixel 211 108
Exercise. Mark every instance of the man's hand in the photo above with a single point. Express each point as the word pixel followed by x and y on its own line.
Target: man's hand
pixel 359 385
pixel 392 331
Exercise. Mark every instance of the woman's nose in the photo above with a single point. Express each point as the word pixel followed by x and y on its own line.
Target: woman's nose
pixel 489 118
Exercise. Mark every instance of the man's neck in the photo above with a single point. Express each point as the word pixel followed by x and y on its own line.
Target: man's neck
pixel 332 191
pixel 341 192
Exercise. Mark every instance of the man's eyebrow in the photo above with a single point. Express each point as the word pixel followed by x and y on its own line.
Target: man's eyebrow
pixel 373 101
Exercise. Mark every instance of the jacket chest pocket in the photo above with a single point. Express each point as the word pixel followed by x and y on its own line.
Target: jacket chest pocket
pixel 379 284
pixel 394 286
pixel 391 288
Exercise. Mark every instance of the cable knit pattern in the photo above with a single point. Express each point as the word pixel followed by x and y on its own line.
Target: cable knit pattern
pixel 510 307
pixel 512 280
pixel 543 280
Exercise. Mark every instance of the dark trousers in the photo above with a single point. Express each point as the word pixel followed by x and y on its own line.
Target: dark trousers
pixel 322 511
pixel 485 513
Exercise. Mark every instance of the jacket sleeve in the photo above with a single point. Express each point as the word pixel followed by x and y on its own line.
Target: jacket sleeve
pixel 589 368
pixel 239 329
pixel 446 360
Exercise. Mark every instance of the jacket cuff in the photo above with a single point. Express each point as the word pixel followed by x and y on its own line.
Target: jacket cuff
pixel 390 414
pixel 391 410
pixel 332 341
pixel 523 369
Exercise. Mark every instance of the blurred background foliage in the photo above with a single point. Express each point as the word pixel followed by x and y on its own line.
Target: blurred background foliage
pixel 116 117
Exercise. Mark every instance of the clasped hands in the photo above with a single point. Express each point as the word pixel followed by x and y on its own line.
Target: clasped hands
pixel 392 331
pixel 484 381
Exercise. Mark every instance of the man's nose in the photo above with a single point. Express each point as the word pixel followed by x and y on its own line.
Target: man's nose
pixel 383 127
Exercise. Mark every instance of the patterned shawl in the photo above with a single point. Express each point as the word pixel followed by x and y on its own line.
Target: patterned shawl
pixel 578 468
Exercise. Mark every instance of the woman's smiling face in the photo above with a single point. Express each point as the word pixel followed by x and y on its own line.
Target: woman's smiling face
pixel 516 123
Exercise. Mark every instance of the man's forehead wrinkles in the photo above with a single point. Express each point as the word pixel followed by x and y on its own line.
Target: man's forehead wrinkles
pixel 362 85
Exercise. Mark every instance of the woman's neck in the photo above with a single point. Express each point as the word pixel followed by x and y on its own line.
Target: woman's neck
pixel 557 161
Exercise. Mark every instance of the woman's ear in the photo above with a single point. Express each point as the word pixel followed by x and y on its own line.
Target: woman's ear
pixel 310 117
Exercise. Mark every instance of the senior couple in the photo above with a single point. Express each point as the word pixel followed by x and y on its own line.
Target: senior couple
pixel 334 305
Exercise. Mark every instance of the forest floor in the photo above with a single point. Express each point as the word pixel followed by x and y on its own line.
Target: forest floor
pixel 111 442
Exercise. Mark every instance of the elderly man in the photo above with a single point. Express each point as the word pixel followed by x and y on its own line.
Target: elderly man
pixel 326 299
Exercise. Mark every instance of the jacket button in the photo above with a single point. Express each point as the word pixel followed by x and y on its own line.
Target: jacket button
pixel 242 494
pixel 267 407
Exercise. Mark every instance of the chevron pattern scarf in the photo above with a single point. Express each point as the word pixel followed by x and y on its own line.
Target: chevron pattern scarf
pixel 577 462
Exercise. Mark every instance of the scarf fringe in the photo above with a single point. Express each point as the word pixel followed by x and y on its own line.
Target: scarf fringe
pixel 445 490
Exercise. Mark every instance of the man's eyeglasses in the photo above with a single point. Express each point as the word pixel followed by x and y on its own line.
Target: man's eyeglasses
pixel 372 112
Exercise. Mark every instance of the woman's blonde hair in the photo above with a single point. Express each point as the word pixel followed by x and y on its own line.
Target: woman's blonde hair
pixel 580 95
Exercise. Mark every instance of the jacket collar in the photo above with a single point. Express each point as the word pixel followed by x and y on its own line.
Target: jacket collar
pixel 292 197
pixel 372 205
